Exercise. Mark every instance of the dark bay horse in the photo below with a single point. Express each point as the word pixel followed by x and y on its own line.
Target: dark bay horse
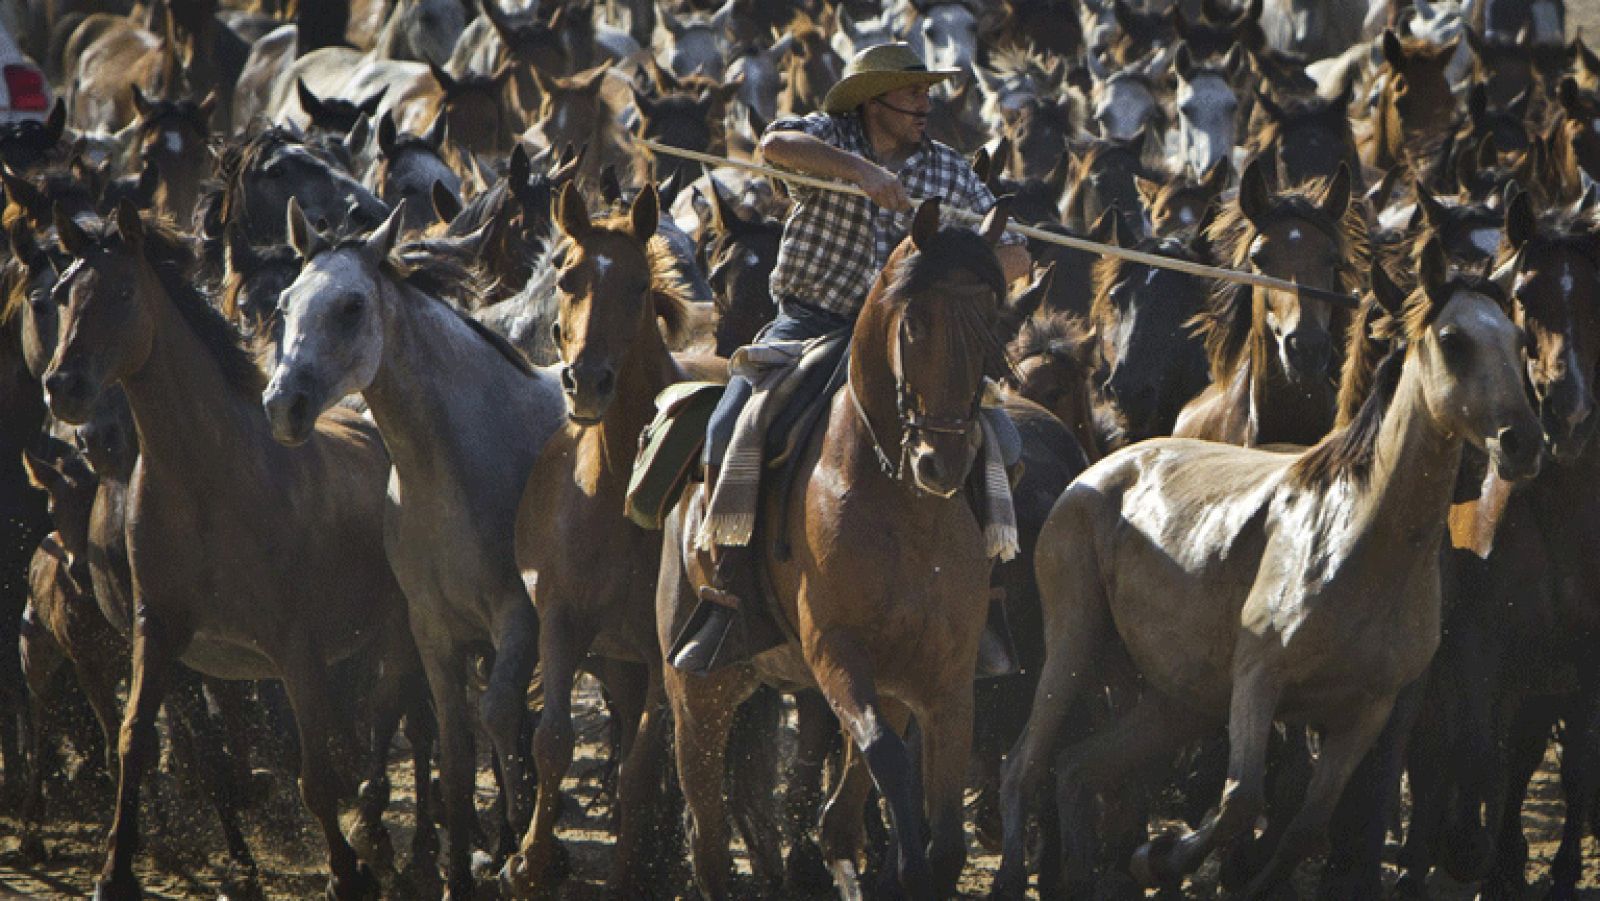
pixel 210 524
pixel 1308 587
pixel 464 417
pixel 615 283
pixel 879 553
pixel 1275 356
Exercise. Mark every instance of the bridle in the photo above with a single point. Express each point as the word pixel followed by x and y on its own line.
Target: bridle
pixel 908 406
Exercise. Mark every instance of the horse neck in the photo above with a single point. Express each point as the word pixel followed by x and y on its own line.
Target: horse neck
pixel 871 383
pixel 646 369
pixel 180 388
pixel 434 369
pixel 1414 470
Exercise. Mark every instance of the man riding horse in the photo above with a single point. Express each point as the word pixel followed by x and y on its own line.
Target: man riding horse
pixel 870 133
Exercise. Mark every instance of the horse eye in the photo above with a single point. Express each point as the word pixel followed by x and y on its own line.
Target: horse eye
pixel 568 282
pixel 1454 344
pixel 351 309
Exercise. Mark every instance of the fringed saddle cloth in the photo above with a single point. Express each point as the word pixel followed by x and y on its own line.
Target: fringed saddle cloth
pixel 775 371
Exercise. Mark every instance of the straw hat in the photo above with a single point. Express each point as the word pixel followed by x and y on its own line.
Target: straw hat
pixel 876 71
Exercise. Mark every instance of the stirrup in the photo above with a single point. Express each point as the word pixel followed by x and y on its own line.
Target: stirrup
pixel 702 646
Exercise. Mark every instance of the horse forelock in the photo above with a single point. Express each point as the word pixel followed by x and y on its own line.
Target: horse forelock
pixel 669 296
pixel 1058 334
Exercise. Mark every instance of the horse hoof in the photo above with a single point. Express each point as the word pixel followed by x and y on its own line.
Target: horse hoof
pixel 32 850
pixel 516 881
pixel 1150 866
pixel 361 887
pixel 117 890
pixel 805 870
pixel 1009 885
pixel 243 885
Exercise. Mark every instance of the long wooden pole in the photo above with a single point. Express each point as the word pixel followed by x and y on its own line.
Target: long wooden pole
pixel 1111 250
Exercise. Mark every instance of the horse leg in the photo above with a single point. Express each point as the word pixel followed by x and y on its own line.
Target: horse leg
pixel 1361 821
pixel 421 874
pixel 390 701
pixel 216 777
pixel 156 648
pixel 843 826
pixel 634 867
pixel 41 657
pixel 563 643
pixel 1148 735
pixel 946 751
pixel 504 710
pixel 1529 735
pixel 322 786
pixel 446 673
pixel 1343 746
pixel 753 782
pixel 844 673
pixel 1578 762
pixel 818 732
pixel 1171 857
pixel 1077 622
pixel 702 711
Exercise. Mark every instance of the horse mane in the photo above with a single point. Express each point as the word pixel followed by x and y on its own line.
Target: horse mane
pixel 237 159
pixel 948 252
pixel 1364 350
pixel 1350 450
pixel 233 280
pixel 1228 321
pixel 668 294
pixel 172 257
pixel 1056 333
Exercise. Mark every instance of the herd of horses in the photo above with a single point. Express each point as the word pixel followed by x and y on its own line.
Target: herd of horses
pixel 329 330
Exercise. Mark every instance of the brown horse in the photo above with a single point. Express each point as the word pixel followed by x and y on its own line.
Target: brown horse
pixel 1415 109
pixel 614 285
pixel 1055 357
pixel 209 525
pixel 1245 585
pixel 879 552
pixel 1575 141
pixel 1273 355
pixel 173 136
pixel 1180 203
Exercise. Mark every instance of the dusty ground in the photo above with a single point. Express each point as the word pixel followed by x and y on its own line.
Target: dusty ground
pixel 184 859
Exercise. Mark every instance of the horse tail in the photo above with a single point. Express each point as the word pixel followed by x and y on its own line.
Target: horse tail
pixel 752 777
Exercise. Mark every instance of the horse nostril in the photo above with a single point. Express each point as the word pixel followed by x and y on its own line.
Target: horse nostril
pixel 1509 442
pixel 928 469
pixel 569 382
pixel 63 385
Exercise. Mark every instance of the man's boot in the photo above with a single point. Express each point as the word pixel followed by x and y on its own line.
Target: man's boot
pixel 712 638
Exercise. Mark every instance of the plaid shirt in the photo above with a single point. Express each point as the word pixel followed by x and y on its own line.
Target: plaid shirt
pixel 834 245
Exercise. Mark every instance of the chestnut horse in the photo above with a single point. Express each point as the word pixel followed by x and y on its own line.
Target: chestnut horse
pixel 210 524
pixel 884 585
pixel 614 285
pixel 1274 356
pixel 1306 586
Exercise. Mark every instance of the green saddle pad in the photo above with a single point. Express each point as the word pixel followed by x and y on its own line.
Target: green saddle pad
pixel 668 449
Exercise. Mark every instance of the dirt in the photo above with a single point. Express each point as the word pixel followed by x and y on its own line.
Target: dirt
pixel 183 849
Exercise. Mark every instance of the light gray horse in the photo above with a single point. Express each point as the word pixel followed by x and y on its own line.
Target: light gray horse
pixel 695 45
pixel 1125 102
pixel 423 31
pixel 464 416
pixel 852 35
pixel 1208 108
pixel 1315 29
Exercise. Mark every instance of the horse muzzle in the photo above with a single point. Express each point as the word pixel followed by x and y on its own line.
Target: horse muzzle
pixel 589 390
pixel 1306 355
pixel 1517 451
pixel 938 470
pixel 1568 421
pixel 71 396
pixel 290 414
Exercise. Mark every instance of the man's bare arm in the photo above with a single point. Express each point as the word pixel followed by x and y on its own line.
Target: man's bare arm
pixel 805 154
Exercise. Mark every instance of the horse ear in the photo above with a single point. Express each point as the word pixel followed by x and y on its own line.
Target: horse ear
pixel 371 104
pixel 21 192
pixel 1432 210
pixel 308 101
pixel 610 185
pixel 446 205
pixel 644 216
pixel 1268 105
pixel 1234 62
pixel 572 212
pixel 383 238
pixel 993 226
pixel 1123 15
pixel 925 225
pixel 1216 178
pixel 1255 200
pixel 303 236
pixel 129 224
pixel 1387 294
pixel 520 169
pixel 1570 96
pixel 498 19
pixel 386 135
pixel 1520 224
pixel 438 129
pixel 1148 189
pixel 140 104
pixel 1478 101
pixel 1434 270
pixel 1104 229
pixel 1393 53
pixel 980 164
pixel 43 473
pixel 722 216
pixel 1475 42
pixel 72 238
pixel 1060 178
pixel 1336 196
pixel 360 133
pixel 208 105
pixel 1184 62
pixel 56 125
pixel 446 83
